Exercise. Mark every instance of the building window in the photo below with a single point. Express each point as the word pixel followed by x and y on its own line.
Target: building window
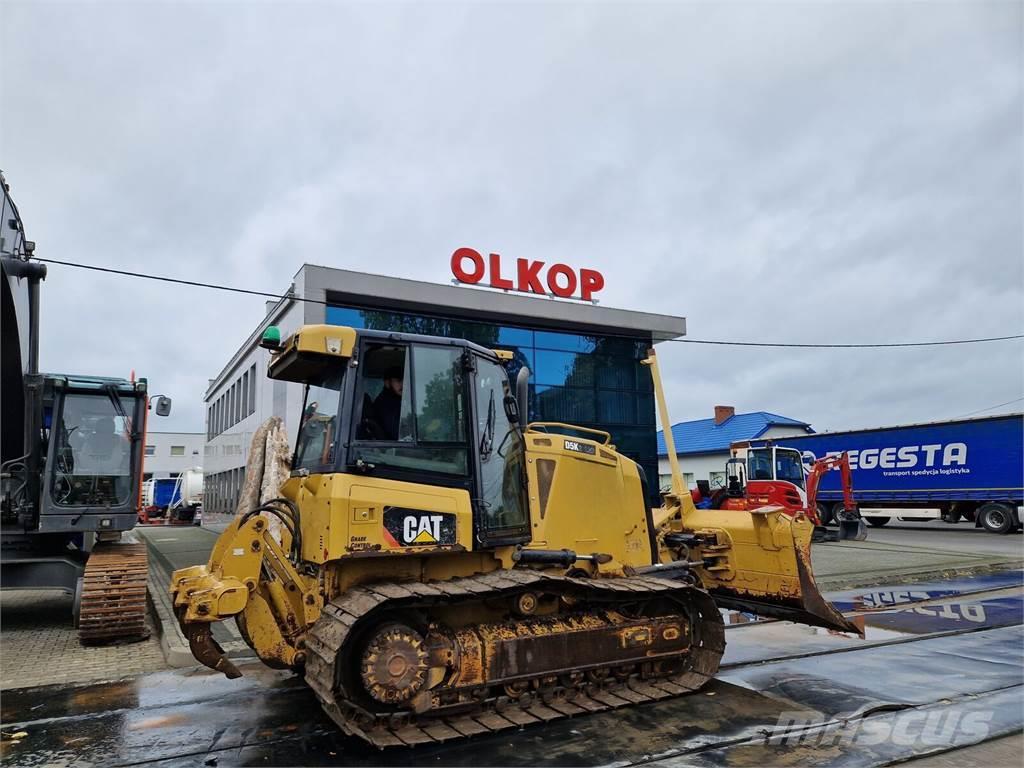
pixel 665 481
pixel 150 450
pixel 245 394
pixel 177 450
pixel 252 388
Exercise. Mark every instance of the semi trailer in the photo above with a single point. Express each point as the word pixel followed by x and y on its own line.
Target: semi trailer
pixel 963 469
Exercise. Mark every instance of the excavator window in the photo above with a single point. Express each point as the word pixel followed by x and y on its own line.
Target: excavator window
pixel 92 458
pixel 789 466
pixel 411 410
pixel 759 464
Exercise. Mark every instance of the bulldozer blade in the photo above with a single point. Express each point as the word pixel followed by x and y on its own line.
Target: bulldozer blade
pixel 809 607
pixel 760 561
pixel 207 650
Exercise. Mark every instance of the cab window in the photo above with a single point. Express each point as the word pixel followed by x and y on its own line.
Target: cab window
pixel 411 409
pixel 759 464
pixel 93 452
pixel 386 412
pixel 318 426
pixel 789 466
pixel 501 452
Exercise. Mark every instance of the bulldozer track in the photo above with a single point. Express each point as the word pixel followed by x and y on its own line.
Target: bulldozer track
pixel 498 712
pixel 113 601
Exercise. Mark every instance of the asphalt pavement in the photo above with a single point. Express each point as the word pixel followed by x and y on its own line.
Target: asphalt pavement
pixel 943 536
pixel 944 646
pixel 939 669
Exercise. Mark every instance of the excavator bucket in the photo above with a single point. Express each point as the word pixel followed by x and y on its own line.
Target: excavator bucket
pixel 760 561
pixel 851 527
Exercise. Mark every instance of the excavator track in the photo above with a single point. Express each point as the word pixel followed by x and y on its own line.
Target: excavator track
pixel 113 601
pixel 337 650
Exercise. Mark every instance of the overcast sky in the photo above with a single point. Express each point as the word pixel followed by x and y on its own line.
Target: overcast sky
pixel 847 172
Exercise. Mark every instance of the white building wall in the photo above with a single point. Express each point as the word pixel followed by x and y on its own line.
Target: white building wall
pixel 171 453
pixel 227 446
pixel 781 430
pixel 694 467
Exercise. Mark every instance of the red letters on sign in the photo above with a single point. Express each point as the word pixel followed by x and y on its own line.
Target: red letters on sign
pixel 528 280
pixel 497 281
pixel 561 280
pixel 591 281
pixel 565 291
pixel 478 265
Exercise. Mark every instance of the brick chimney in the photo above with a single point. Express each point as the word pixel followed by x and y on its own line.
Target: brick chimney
pixel 723 413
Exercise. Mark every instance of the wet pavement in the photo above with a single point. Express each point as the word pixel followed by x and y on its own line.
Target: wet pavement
pixel 947 650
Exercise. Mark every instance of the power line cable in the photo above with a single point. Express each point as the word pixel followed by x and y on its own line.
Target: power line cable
pixel 990 408
pixel 279 296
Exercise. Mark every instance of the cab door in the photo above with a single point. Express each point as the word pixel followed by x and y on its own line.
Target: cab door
pixel 501 514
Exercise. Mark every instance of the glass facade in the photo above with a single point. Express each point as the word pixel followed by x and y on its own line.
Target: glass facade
pixel 584 379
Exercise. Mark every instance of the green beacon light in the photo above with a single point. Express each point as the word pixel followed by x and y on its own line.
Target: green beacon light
pixel 271 338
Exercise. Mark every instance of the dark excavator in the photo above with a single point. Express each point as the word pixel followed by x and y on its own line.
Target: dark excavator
pixel 72 453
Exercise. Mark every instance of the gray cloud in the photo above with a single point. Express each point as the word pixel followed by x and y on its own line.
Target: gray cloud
pixel 811 172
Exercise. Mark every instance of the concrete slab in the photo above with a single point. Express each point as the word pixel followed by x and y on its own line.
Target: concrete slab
pixel 847 564
pixel 170 548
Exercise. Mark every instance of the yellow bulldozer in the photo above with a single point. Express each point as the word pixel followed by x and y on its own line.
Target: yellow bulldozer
pixel 437 568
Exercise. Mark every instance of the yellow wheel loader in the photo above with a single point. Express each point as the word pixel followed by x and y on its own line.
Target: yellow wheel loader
pixel 435 568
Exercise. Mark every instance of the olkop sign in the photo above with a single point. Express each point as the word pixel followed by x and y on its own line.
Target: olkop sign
pixel 528 276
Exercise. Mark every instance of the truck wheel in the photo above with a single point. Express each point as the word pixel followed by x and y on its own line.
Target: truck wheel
pixel 877 522
pixel 824 513
pixel 996 517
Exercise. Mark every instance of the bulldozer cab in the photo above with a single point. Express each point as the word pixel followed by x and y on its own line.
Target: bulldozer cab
pixel 412 408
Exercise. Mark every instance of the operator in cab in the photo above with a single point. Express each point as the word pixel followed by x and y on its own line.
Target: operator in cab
pixel 387 406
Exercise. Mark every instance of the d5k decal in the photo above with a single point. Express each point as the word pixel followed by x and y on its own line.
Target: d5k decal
pixel 416 527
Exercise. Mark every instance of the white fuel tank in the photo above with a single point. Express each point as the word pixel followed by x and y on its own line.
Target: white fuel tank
pixel 191 485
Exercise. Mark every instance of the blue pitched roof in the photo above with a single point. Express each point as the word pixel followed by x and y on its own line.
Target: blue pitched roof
pixel 704 436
